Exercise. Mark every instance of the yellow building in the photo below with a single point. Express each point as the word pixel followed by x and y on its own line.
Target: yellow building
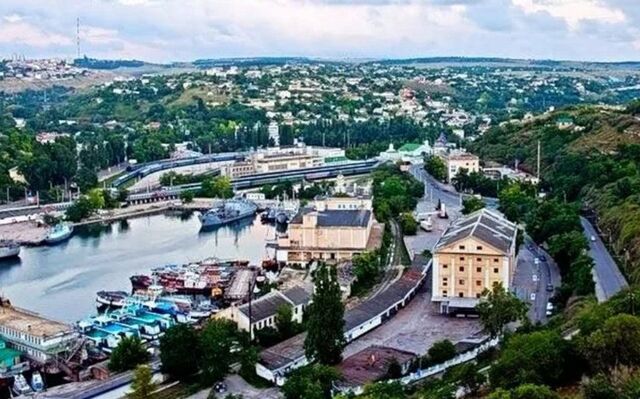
pixel 333 230
pixel 475 252
pixel 461 160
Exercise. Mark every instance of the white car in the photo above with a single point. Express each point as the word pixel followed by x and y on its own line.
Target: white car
pixel 593 238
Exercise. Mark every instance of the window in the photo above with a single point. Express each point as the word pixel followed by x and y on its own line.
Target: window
pixel 478 259
pixel 478 283
pixel 479 269
pixel 478 295
pixel 496 270
pixel 479 247
pixel 461 282
pixel 462 259
pixel 496 260
pixel 461 294
pixel 445 266
pixel 444 293
pixel 461 247
pixel 461 268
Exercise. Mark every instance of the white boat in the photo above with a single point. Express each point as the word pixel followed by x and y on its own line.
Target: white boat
pixel 37 383
pixel 20 385
pixel 9 249
pixel 58 233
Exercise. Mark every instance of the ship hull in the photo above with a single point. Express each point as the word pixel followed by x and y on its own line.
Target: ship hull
pixel 9 252
pixel 217 222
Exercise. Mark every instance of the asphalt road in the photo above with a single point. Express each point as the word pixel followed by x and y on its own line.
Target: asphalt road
pixel 534 281
pixel 434 191
pixel 607 276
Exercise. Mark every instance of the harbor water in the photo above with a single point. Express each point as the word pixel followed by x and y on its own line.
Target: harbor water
pixel 61 281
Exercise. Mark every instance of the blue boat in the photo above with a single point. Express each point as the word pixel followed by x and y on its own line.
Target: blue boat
pixel 59 233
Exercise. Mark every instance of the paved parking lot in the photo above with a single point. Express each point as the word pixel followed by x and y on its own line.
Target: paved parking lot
pixel 236 385
pixel 416 327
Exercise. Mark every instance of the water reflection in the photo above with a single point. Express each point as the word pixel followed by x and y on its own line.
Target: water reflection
pixel 61 281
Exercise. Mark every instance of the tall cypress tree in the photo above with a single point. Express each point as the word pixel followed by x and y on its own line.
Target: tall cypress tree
pixel 325 325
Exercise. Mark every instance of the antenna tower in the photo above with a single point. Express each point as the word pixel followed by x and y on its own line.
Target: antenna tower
pixel 78 36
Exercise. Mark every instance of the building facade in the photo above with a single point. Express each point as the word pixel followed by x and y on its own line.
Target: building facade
pixel 333 230
pixel 456 161
pixel 473 254
pixel 38 338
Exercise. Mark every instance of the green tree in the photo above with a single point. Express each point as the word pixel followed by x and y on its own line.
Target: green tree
pixel 441 351
pixel 435 166
pixel 217 187
pixel 472 204
pixel 284 321
pixel 325 324
pixel 186 197
pixel 86 179
pixel 216 342
pixel 142 385
pixel 616 344
pixel 129 353
pixel 175 344
pixel 469 377
pixel 497 308
pixel 96 198
pixel 366 268
pixel 526 391
pixel 80 209
pixel 408 224
pixel 541 357
pixel 310 382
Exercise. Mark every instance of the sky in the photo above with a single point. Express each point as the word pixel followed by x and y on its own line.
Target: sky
pixel 185 30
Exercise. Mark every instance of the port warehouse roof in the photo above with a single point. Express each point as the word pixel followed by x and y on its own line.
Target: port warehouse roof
pixel 30 323
pixel 371 364
pixel 268 305
pixel 485 225
pixel 337 217
pixel 287 352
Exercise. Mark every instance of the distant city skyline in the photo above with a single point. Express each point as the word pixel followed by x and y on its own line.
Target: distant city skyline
pixel 185 30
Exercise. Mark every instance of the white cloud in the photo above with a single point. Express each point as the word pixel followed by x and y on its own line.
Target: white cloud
pixel 574 11
pixel 30 35
pixel 12 18
pixel 168 30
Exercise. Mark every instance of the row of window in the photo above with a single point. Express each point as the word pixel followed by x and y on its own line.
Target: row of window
pixel 479 247
pixel 460 294
pixel 445 281
pixel 495 260
pixel 478 269
pixel 8 332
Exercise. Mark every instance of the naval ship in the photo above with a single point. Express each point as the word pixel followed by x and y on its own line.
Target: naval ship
pixel 9 249
pixel 230 211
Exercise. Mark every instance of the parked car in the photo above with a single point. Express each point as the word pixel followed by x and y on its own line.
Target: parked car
pixel 220 387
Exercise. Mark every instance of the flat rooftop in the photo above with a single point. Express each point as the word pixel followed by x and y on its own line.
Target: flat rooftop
pixel 371 364
pixel 30 323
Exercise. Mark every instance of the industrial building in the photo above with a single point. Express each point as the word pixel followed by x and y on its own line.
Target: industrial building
pixel 473 254
pixel 333 230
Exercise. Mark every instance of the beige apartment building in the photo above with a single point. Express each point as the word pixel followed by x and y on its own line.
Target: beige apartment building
pixel 333 230
pixel 456 161
pixel 475 252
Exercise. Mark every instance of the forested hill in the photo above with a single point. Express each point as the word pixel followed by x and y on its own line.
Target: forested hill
pixel 589 154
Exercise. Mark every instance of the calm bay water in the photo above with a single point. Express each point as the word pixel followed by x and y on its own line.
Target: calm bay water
pixel 61 281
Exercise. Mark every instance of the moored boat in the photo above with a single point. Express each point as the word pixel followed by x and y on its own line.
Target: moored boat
pixel 58 233
pixel 111 299
pixel 230 211
pixel 9 249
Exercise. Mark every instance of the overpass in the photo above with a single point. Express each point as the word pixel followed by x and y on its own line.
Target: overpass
pixel 258 180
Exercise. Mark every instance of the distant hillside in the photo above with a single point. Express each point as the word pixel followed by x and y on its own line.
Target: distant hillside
pixel 92 63
pixel 494 61
pixel 595 159
pixel 256 61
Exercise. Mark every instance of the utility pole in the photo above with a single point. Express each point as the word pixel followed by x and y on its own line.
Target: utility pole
pixel 538 162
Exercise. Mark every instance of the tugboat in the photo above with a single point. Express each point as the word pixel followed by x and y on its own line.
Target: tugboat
pixel 58 233
pixel 230 211
pixel 9 249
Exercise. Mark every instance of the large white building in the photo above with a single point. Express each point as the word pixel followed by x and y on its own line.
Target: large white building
pixel 39 338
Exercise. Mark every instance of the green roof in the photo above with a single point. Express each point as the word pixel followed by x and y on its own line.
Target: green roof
pixel 409 147
pixel 8 356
